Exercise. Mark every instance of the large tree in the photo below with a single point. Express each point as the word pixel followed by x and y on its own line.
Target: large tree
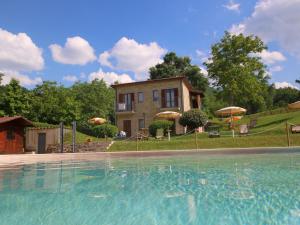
pixel 236 69
pixel 174 66
pixel 298 81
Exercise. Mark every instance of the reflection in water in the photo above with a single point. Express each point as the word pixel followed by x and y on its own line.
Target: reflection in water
pixel 256 189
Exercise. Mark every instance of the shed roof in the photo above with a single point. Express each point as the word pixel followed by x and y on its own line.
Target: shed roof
pixel 20 119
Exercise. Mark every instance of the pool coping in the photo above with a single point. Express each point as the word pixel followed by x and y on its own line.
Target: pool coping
pixel 23 159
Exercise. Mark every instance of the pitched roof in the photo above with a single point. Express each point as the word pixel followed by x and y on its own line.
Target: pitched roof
pixel 23 121
pixel 183 78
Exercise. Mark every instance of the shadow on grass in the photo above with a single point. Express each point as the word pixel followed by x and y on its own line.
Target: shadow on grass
pixel 276 122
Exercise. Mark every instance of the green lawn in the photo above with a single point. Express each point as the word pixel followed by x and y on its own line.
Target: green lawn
pixel 269 132
pixel 81 138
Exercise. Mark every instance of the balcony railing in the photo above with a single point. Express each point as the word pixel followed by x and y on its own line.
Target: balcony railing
pixel 123 107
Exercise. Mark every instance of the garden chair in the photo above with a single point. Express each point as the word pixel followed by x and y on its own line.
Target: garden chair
pixel 159 134
pixel 252 123
pixel 244 130
pixel 295 128
pixel 213 131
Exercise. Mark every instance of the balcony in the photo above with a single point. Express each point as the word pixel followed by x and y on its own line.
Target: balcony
pixel 124 108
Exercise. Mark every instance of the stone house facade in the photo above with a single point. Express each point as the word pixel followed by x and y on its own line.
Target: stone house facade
pixel 137 103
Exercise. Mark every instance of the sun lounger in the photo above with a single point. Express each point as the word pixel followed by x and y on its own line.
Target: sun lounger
pixel 295 128
pixel 244 129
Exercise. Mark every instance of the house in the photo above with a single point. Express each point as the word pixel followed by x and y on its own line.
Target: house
pixel 137 103
pixel 12 134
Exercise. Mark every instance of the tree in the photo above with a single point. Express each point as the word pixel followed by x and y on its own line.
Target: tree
pixel 14 100
pixel 284 96
pixel 298 81
pixel 193 119
pixel 237 71
pixel 174 66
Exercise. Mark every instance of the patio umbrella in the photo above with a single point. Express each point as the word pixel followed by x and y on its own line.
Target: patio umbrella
pixel 230 111
pixel 295 105
pixel 168 115
pixel 97 121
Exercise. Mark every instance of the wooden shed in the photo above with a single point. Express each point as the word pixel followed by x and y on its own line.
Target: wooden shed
pixel 12 132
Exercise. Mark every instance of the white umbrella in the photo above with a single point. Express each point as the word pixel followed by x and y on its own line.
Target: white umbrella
pixel 168 115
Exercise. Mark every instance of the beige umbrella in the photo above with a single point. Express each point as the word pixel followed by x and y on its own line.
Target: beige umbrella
pixel 295 105
pixel 97 121
pixel 230 111
pixel 168 115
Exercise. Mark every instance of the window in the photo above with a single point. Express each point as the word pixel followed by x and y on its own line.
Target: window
pixel 141 124
pixel 140 97
pixel 155 95
pixel 126 102
pixel 10 134
pixel 169 98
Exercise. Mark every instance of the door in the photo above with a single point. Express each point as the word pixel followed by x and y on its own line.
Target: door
pixel 127 127
pixel 41 143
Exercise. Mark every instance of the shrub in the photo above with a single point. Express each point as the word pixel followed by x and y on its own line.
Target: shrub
pixel 105 129
pixel 193 119
pixel 159 124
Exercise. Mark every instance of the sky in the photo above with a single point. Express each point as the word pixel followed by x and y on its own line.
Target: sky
pixel 68 41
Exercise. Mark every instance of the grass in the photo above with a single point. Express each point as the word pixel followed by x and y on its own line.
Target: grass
pixel 269 132
pixel 81 138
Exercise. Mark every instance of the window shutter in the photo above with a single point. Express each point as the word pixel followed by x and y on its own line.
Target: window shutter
pixel 132 97
pixel 121 98
pixel 176 96
pixel 163 98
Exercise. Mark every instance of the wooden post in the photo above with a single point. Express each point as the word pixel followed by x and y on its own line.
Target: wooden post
pixel 287 134
pixel 137 141
pixel 196 139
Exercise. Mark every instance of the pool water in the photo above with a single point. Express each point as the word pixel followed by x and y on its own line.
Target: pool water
pixel 219 189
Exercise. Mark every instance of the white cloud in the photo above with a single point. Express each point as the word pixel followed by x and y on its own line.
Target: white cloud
pixel 271 57
pixel 203 56
pixel 284 84
pixel 77 51
pixel 232 6
pixel 110 77
pixel 129 55
pixel 19 53
pixel 274 20
pixel 70 78
pixel 276 69
pixel 23 79
pixel 204 71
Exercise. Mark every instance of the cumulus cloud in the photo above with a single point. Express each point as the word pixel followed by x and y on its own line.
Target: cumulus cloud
pixel 110 77
pixel 274 20
pixel 271 57
pixel 19 54
pixel 232 6
pixel 276 69
pixel 284 84
pixel 24 80
pixel 129 55
pixel 70 78
pixel 77 51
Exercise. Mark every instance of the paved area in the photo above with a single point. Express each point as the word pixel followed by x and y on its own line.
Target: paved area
pixel 21 159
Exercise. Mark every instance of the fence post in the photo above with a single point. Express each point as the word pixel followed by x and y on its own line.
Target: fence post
pixel 137 141
pixel 287 134
pixel 73 136
pixel 61 126
pixel 196 139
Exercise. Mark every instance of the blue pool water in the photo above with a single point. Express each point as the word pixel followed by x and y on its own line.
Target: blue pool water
pixel 223 189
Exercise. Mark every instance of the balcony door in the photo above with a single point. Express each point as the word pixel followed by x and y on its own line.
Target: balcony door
pixel 126 102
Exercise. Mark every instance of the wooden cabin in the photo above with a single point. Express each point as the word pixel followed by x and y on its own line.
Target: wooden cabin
pixel 12 134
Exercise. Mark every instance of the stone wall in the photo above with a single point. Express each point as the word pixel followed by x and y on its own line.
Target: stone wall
pixel 84 147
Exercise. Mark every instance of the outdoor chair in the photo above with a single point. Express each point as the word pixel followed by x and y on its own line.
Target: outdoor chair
pixel 252 123
pixel 295 128
pixel 213 131
pixel 244 130
pixel 159 134
pixel 144 134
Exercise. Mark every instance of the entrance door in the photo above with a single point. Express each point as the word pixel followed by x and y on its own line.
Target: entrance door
pixel 41 143
pixel 127 127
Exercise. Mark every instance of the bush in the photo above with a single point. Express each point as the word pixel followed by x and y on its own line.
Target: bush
pixel 193 119
pixel 105 129
pixel 159 124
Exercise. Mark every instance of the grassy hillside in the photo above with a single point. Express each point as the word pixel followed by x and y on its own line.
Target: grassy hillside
pixel 269 131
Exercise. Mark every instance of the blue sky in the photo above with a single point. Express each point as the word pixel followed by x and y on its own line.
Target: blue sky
pixel 119 40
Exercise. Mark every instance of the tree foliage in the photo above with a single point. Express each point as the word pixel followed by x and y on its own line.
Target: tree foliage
pixel 193 119
pixel 103 130
pixel 174 66
pixel 284 96
pixel 237 71
pixel 160 124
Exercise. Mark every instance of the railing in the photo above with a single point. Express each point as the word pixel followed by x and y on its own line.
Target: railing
pixel 123 107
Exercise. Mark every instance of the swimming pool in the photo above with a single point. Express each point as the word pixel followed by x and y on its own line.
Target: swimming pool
pixel 216 189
